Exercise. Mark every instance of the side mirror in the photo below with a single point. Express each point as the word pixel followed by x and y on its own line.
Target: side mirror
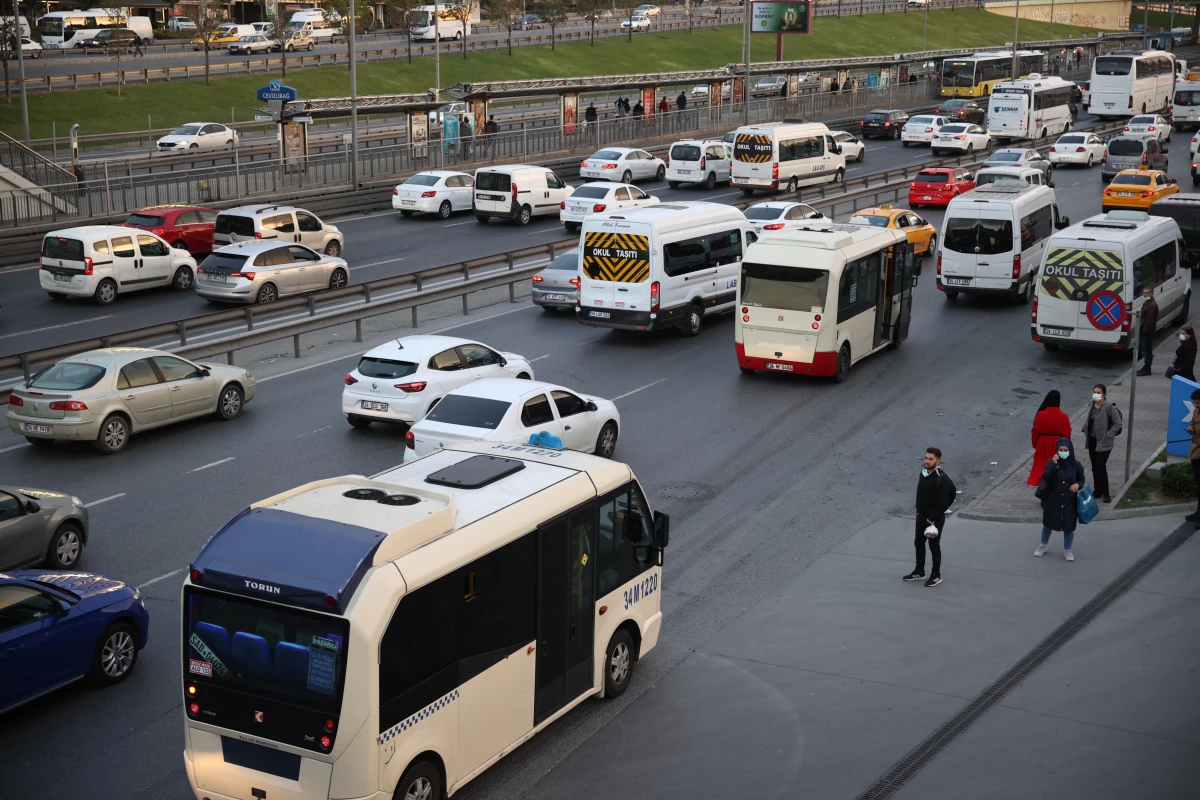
pixel 1063 222
pixel 32 507
pixel 1050 184
pixel 914 281
pixel 503 361
pixel 837 149
pixel 64 607
pixel 662 530
pixel 592 406
pixel 205 372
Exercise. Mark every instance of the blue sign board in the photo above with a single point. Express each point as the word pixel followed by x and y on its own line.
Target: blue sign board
pixel 1179 417
pixel 275 90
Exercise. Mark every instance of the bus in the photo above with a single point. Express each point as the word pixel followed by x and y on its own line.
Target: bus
pixel 453 22
pixel 974 76
pixel 1131 82
pixel 1034 108
pixel 817 298
pixel 395 636
pixel 323 27
pixel 65 30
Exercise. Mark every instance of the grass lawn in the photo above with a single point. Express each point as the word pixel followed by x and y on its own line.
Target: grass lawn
pixel 102 111
pixel 1161 20
pixel 1146 491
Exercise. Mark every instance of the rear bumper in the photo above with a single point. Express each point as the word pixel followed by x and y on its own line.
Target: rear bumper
pixel 695 175
pixel 823 364
pixel 63 429
pixel 974 288
pixel 622 320
pixel 539 298
pixel 406 412
pixel 1122 343
pixel 78 286
pixel 918 198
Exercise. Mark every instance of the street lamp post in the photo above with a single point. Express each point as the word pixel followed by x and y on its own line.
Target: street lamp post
pixel 353 103
pixel 21 73
pixel 1016 62
pixel 746 76
pixel 1051 34
pixel 1146 26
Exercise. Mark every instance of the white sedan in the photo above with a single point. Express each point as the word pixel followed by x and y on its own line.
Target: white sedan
pixel 622 165
pixel 777 215
pixel 853 148
pixel 922 129
pixel 1150 125
pixel 513 412
pixel 198 136
pixel 964 137
pixel 1077 148
pixel 1195 143
pixel 638 23
pixel 594 198
pixel 440 192
pixel 401 380
pixel 30 48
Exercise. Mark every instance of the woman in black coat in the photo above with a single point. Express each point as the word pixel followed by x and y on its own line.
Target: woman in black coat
pixel 1061 481
pixel 1185 354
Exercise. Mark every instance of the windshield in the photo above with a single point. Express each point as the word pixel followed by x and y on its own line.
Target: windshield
pixel 958 73
pixel 491 181
pixel 569 261
pixel 873 220
pixel 186 130
pixel 764 212
pixel 371 367
pixel 52 26
pixel 990 236
pixel 61 247
pixel 685 152
pixel 470 412
pixel 933 177
pixel 144 221
pixel 1112 65
pixel 1130 179
pixel 608 155
pixel 67 376
pixel 788 288
pixel 1187 98
pixel 590 192
pixel 265 649
pixel 1125 147
pixel 423 180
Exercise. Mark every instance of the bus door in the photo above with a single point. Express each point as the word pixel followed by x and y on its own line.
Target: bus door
pixel 566 566
pixel 896 303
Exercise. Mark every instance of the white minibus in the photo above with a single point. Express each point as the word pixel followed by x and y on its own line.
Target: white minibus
pixel 65 30
pixel 453 22
pixel 662 266
pixel 993 239
pixel 785 155
pixel 1030 109
pixel 1093 276
pixel 1132 82
pixel 316 21
pixel 817 298
pixel 1185 110
pixel 395 636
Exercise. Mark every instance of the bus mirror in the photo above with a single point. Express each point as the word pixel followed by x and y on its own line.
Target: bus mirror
pixel 662 529
pixel 1063 222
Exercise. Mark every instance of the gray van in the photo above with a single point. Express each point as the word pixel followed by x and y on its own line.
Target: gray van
pixel 1131 152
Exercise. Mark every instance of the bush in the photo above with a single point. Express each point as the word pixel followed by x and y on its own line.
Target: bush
pixel 1177 480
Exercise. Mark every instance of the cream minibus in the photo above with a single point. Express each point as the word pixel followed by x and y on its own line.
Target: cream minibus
pixel 818 298
pixel 395 636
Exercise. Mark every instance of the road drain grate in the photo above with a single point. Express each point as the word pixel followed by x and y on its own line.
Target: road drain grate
pixel 906 768
pixel 680 492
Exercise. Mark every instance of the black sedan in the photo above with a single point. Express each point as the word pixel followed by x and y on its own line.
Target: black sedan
pixel 962 110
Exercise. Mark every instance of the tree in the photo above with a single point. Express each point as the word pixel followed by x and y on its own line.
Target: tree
pixel 119 15
pixel 554 13
pixel 506 12
pixel 628 7
pixel 280 31
pixel 593 7
pixel 338 13
pixel 396 16
pixel 206 20
pixel 9 36
pixel 461 12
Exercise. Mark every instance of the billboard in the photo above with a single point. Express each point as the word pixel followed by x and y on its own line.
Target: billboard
pixel 774 16
pixel 570 112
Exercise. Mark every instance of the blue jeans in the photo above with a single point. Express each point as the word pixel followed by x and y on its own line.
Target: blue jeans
pixel 1068 538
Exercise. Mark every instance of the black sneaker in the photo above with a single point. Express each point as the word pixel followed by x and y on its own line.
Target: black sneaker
pixel 934 580
pixel 1143 372
pixel 915 575
pixel 1194 516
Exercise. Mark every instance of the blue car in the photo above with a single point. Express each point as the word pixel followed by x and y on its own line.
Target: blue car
pixel 57 627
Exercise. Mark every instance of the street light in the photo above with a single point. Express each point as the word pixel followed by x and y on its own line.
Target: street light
pixel 21 72
pixel 925 30
pixel 353 103
pixel 1016 62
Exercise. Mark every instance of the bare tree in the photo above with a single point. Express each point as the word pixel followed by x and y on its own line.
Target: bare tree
pixel 396 13
pixel 461 12
pixel 206 20
pixel 280 31
pixel 593 7
pixel 115 46
pixel 506 13
pixel 628 7
pixel 9 40
pixel 338 13
pixel 554 13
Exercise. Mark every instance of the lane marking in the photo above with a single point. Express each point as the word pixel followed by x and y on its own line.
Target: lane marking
pixel 7 270
pixel 55 327
pixel 161 578
pixel 103 500
pixel 539 358
pixel 16 447
pixel 635 391
pixel 213 464
pixel 379 263
pixel 468 222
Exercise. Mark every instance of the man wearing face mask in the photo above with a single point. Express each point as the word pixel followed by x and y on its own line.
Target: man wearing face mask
pixel 1148 327
pixel 935 494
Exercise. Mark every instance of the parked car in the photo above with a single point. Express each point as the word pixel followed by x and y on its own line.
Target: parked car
pixel 435 117
pixel 180 23
pixel 557 286
pixel 770 86
pixel 185 227
pixel 264 271
pixel 198 136
pixel 41 527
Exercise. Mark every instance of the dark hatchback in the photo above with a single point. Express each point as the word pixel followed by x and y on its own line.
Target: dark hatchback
pixel 884 122
pixel 965 110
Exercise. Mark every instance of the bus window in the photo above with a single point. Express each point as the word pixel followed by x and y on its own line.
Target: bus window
pixel 625 530
pixel 786 288
pixel 1154 268
pixel 1036 226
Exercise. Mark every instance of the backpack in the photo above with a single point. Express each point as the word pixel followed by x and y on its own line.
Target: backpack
pixel 942 476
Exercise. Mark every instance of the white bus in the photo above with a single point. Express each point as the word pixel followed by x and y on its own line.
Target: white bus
pixel 1029 109
pixel 1132 82
pixel 451 23
pixel 395 636
pixel 64 30
pixel 316 22
pixel 815 299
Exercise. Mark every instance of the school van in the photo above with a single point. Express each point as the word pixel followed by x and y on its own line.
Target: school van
pixel 662 266
pixel 1093 276
pixel 518 192
pixel 785 155
pixel 993 240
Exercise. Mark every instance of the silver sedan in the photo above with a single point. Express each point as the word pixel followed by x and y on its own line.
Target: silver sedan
pixel 41 527
pixel 557 286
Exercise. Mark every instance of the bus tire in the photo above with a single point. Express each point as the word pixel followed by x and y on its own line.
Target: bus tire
pixel 1185 309
pixel 843 364
pixel 618 664
pixel 693 321
pixel 421 781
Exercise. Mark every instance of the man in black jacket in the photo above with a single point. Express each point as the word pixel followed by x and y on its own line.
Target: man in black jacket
pixel 935 494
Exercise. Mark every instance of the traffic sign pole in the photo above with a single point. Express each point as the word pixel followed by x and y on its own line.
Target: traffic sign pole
pixel 1137 342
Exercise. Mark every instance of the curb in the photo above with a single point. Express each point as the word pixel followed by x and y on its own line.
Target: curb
pixel 1104 516
pixel 1138 473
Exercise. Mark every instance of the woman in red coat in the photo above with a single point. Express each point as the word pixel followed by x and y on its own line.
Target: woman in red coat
pixel 1050 425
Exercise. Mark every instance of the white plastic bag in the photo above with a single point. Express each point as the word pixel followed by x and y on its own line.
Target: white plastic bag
pixel 931 531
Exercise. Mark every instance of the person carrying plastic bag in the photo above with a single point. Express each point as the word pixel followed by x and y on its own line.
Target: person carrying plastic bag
pixel 1062 479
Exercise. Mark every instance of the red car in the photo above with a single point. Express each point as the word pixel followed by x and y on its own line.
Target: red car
pixel 937 186
pixel 189 227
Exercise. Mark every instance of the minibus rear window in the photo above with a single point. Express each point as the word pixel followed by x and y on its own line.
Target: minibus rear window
pixel 990 236
pixel 685 152
pixel 1125 147
pixel 788 288
pixel 232 223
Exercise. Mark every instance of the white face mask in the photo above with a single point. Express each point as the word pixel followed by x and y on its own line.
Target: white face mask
pixel 1183 337
pixel 1097 396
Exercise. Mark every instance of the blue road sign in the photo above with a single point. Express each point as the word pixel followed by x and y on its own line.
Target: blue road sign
pixel 1179 441
pixel 275 90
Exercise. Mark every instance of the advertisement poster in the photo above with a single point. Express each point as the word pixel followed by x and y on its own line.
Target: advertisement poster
pixel 648 102
pixel 467 131
pixel 793 87
pixel 294 138
pixel 772 16
pixel 449 133
pixel 479 109
pixel 570 112
pixel 739 88
pixel 418 132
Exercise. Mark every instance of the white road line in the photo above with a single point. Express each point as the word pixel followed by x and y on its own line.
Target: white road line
pixel 453 224
pixel 726 194
pixel 873 149
pixel 213 464
pixel 103 500
pixel 22 269
pixel 378 263
pixel 55 327
pixel 15 447
pixel 352 217
pixel 635 391
pixel 539 358
pixel 161 578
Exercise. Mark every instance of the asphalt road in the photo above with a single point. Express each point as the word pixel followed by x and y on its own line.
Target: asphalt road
pixel 787 468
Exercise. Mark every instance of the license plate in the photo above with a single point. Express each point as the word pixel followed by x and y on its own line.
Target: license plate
pixel 684 172
pixel 927 197
pixel 408 202
pixel 58 276
pixel 780 367
pixel 958 281
pixel 211 278
pixel 559 297
pixel 600 314
pixel 944 138
pixel 371 405
pixel 1124 194
pixel 31 428
pixel 1056 331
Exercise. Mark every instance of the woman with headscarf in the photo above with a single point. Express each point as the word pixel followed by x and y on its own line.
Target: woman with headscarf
pixel 1062 480
pixel 1185 354
pixel 1050 425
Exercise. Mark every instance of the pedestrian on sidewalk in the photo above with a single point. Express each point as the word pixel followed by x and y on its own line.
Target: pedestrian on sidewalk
pixel 137 46
pixel 935 494
pixel 1147 328
pixel 1102 427
pixel 1061 482
pixel 1185 355
pixel 1049 425
pixel 1194 455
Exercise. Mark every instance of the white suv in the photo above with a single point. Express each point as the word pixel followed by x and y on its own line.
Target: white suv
pixel 102 261
pixel 285 223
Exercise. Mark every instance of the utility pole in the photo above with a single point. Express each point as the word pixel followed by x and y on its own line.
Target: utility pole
pixel 1051 35
pixel 1136 338
pixel 1146 25
pixel 746 77
pixel 1171 24
pixel 353 102
pixel 21 72
pixel 1016 63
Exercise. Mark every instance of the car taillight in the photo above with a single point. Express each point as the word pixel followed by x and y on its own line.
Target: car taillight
pixel 258 234
pixel 939 263
pixel 960 137
pixel 929 130
pixel 247 275
pixel 514 194
pixel 1152 128
pixel 395 192
pixel 538 279
pixel 68 405
pixel 654 296
pixel 583 163
pixel 1077 149
pixel 428 194
pixel 609 166
pixel 887 124
pixel 1144 159
pixel 574 282
pixel 13 400
pixel 912 186
pixel 411 388
pixel 1016 267
pixel 774 226
pixel 1147 194
pixel 563 205
pixel 775 171
pixel 326 742
pixel 599 207
pixel 350 379
pixel 410 441
pixel 1107 191
pixel 1126 127
pixel 667 160
pixel 703 161
pixel 1034 319
pixel 87 266
pixel 959 112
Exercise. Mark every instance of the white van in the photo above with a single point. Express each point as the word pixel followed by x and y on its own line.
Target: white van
pixel 993 240
pixel 1010 176
pixel 1093 276
pixel 102 261
pixel 785 155
pixel 699 162
pixel 662 266
pixel 518 192
pixel 313 19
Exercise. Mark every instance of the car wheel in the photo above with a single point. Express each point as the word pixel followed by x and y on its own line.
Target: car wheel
pixel 338 279
pixel 106 292
pixel 843 364
pixel 193 146
pixel 421 781
pixel 606 442
pixel 839 176
pixel 747 192
pixel 406 214
pixel 673 184
pixel 1024 293
pixel 693 322
pixel 951 295
pixel 113 436
pixel 618 664
pixel 1185 309
pixel 116 654
pixel 524 215
pixel 661 173
pixel 626 177
pixel 970 148
pixel 571 227
pixel 231 402
pixel 334 248
pixel 524 376
pixel 267 294
pixel 1089 161
pixel 444 210
pixel 929 251
pixel 56 295
pixel 710 182
pixel 481 219
pixel 182 280
pixel 66 548
pixel 310 47
pixel 862 154
pixel 358 422
pixel 906 144
pixel 1045 133
pixel 791 186
pixel 179 245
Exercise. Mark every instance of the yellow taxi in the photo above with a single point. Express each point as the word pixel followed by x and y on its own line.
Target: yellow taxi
pixel 220 38
pixel 920 232
pixel 1137 188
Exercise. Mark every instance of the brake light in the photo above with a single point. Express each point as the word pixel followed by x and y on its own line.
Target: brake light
pixel 258 234
pixel 583 163
pixel 1128 317
pixel 563 205
pixel 1077 149
pixel 514 194
pixel 667 161
pixel 960 137
pixel 929 130
pixel 87 265
pixel 959 112
pixel 1016 274
pixel 13 400
pixel 395 192
pixel 887 124
pixel 1051 148
pixel 411 388
pixel 609 166
pixel 774 226
pixel 538 279
pixel 350 379
pixel 1144 155
pixel 1126 127
pixel 939 264
pixel 1034 312
pixel 574 282
pixel 410 441
pixel 1151 128
pixel 912 185
pixel 654 296
pixel 599 207
pixel 703 160
pixel 1147 194
pixel 428 194
pixel 247 275
pixel 775 171
pixel 68 405
pixel 1107 192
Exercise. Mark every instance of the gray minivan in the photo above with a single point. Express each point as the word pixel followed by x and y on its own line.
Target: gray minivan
pixel 1131 152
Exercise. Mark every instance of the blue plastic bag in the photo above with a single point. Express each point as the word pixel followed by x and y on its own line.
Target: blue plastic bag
pixel 1085 505
pixel 547 440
